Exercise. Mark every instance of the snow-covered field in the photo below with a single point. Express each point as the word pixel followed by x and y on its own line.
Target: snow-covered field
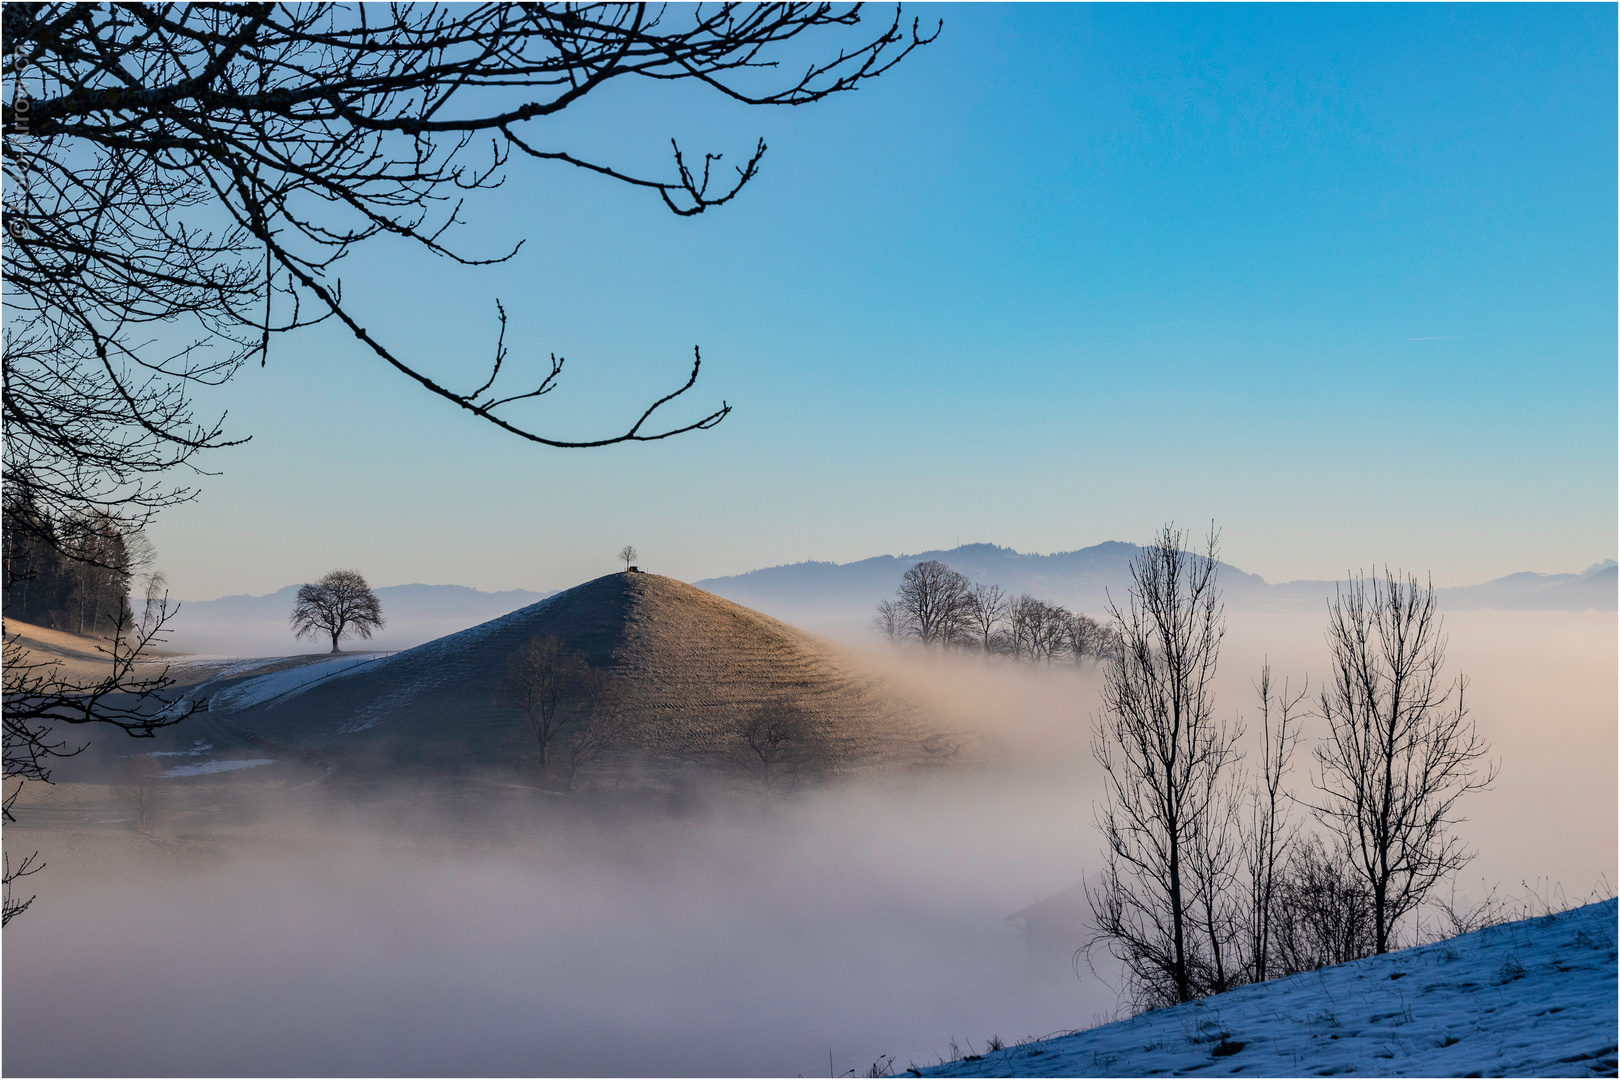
pixel 1530 998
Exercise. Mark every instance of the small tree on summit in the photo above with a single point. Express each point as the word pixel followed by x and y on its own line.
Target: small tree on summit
pixel 339 604
pixel 629 555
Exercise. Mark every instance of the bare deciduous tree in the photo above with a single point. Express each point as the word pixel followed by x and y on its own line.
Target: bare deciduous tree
pixel 1214 858
pixel 594 729
pixel 890 621
pixel 628 555
pixel 144 788
pixel 936 603
pixel 339 604
pixel 1090 639
pixel 553 687
pixel 1400 750
pixel 1048 629
pixel 987 610
pixel 1162 751
pixel 1324 911
pixel 1270 833
pixel 777 747
pixel 1022 613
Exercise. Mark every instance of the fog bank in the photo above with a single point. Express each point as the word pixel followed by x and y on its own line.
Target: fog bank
pixel 334 930
pixel 861 922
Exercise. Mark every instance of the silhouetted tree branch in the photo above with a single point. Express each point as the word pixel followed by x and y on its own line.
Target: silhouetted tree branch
pixel 205 168
pixel 39 698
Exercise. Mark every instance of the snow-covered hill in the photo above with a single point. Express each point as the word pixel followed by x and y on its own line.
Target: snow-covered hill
pixel 1530 998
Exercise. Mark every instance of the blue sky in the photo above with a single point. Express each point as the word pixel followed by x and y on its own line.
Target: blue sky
pixel 1341 278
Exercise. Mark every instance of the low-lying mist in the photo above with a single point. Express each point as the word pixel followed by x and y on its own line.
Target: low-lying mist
pixel 713 941
pixel 479 927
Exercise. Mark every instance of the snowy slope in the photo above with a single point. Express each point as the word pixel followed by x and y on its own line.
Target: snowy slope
pixel 1531 998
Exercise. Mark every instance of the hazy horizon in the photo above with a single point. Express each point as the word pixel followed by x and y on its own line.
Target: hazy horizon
pixel 391 929
pixel 1592 564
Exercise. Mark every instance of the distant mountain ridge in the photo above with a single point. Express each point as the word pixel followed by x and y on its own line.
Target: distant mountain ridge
pixel 1086 578
pixel 842 595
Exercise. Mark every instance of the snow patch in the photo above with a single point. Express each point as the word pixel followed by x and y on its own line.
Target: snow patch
pixel 208 767
pixel 197 750
pixel 290 681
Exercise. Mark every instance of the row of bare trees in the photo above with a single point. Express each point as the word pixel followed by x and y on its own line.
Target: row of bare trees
pixel 1212 877
pixel 937 605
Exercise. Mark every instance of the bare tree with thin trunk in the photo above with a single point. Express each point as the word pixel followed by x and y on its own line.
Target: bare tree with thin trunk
pixel 890 621
pixel 1270 833
pixel 987 610
pixel 777 747
pixel 1214 859
pixel 628 555
pixel 338 605
pixel 1400 750
pixel 1048 630
pixel 594 730
pixel 545 682
pixel 1162 751
pixel 1087 639
pixel 1022 614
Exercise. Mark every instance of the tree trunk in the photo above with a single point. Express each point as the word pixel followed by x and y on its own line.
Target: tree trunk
pixel 1177 931
pixel 335 634
pixel 1380 906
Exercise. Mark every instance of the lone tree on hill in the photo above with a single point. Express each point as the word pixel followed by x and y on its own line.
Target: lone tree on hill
pixel 628 555
pixel 340 603
pixel 1400 750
